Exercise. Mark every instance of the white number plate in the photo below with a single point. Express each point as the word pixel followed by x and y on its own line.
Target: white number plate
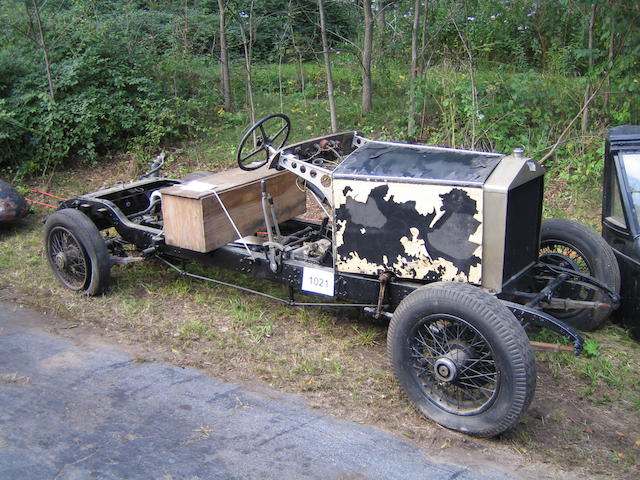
pixel 317 281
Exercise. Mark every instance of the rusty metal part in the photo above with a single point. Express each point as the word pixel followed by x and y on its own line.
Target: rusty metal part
pixel 115 260
pixel 384 279
pixel 563 303
pixel 551 347
pixel 12 205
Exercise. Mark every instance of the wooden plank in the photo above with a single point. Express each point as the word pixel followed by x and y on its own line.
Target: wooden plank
pixel 183 223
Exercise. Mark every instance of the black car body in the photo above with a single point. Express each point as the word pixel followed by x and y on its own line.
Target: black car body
pixel 621 217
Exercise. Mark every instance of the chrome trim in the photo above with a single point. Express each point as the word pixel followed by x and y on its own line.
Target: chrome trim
pixel 442 149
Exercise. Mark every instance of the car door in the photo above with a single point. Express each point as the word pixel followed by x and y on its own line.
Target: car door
pixel 620 229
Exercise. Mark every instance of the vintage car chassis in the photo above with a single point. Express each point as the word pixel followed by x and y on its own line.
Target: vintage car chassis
pixel 377 295
pixel 456 340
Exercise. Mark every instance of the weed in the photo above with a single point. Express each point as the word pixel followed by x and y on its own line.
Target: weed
pixel 306 367
pixel 337 367
pixel 260 332
pixel 366 337
pixel 591 348
pixel 245 314
pixel 193 330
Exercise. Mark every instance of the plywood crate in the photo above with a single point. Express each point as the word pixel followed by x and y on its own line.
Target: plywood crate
pixel 195 220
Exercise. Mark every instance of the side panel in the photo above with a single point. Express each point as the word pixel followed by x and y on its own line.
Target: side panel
pixel 416 231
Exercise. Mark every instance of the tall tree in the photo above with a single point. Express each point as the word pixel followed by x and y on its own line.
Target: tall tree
pixel 327 66
pixel 247 33
pixel 367 53
pixel 41 42
pixel 587 89
pixel 225 82
pixel 413 74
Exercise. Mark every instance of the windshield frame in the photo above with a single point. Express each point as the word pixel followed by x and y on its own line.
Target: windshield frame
pixel 628 163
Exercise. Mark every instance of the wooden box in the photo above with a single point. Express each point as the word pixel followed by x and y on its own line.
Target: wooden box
pixel 195 220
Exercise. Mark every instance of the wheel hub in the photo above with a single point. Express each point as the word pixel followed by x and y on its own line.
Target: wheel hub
pixel 61 260
pixel 447 367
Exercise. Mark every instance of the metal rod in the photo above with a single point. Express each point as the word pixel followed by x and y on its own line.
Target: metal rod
pixel 551 347
pixel 233 224
pixel 547 291
pixel 290 303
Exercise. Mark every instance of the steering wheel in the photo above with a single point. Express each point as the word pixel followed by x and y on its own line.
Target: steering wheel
pixel 262 141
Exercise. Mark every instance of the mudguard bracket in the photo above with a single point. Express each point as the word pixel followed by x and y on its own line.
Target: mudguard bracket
pixel 529 316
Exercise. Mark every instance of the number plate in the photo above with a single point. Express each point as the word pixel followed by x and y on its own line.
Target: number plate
pixel 317 281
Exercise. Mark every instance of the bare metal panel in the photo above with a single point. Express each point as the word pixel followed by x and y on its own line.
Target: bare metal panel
pixel 417 231
pixel 512 172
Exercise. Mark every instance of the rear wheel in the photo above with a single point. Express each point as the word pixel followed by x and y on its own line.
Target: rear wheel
pixel 462 358
pixel 572 245
pixel 76 252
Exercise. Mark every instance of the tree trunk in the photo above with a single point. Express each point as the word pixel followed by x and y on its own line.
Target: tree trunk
pixel 45 51
pixel 610 56
pixel 414 68
pixel 381 23
pixel 381 16
pixel 225 83
pixel 327 66
pixel 587 89
pixel 367 51
pixel 247 44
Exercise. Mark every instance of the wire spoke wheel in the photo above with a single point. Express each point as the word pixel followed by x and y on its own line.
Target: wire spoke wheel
pixel 454 364
pixel 462 358
pixel 571 245
pixel 562 254
pixel 68 258
pixel 76 252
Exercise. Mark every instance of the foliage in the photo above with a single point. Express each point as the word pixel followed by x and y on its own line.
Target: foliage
pixel 135 74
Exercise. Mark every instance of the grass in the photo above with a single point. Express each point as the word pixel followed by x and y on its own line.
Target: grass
pixel 339 364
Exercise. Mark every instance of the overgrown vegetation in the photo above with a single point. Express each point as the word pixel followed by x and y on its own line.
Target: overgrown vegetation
pixel 129 77
pixel 83 79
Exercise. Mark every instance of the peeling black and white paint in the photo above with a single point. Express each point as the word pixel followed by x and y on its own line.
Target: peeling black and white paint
pixel 423 232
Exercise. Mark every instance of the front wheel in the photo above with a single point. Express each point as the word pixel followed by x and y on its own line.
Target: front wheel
pixel 76 252
pixel 462 358
pixel 575 246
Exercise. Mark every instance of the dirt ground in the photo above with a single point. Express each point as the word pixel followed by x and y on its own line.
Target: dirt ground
pixel 583 423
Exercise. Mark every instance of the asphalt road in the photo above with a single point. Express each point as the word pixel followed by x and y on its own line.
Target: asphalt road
pixel 69 410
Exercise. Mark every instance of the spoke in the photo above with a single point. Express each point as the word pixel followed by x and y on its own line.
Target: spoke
pixel 419 356
pixel 474 361
pixel 265 137
pixel 247 157
pixel 467 393
pixel 279 133
pixel 476 374
pixel 432 348
pixel 477 387
pixel 440 346
pixel 461 333
pixel 490 378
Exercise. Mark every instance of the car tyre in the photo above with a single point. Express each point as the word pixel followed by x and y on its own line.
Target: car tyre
pixel 76 252
pixel 574 245
pixel 462 358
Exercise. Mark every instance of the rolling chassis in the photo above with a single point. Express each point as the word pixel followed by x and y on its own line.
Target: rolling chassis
pixel 378 296
pixel 459 352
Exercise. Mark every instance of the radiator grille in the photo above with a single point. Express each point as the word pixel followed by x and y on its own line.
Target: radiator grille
pixel 524 213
